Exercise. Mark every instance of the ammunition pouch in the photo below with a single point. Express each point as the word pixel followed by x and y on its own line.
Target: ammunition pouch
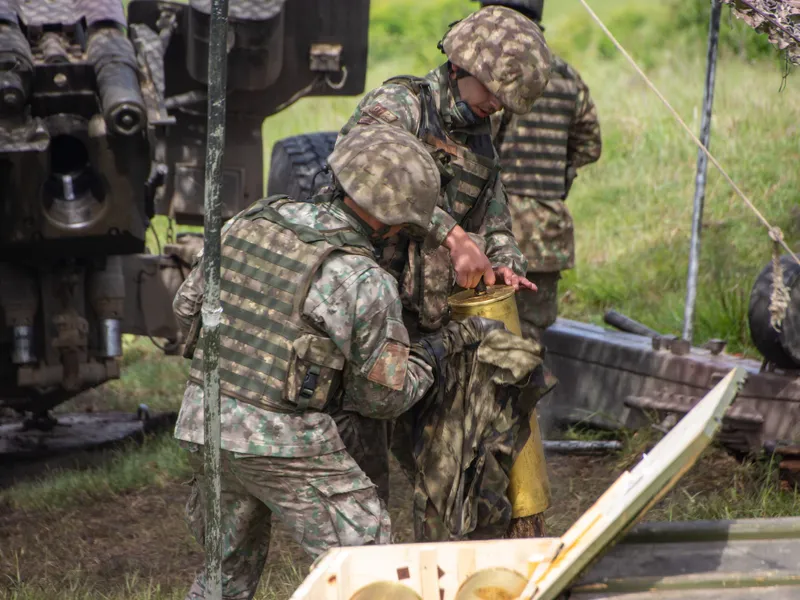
pixel 314 373
pixel 427 282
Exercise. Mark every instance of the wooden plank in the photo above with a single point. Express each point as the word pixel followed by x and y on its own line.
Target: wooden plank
pixel 550 564
pixel 637 490
pixel 446 566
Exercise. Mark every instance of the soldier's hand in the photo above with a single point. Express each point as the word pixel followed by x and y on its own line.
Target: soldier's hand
pixel 507 276
pixel 469 262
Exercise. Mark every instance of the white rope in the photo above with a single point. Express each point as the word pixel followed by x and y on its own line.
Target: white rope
pixel 775 233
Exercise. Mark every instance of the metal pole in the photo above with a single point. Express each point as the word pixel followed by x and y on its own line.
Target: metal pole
pixel 702 167
pixel 215 148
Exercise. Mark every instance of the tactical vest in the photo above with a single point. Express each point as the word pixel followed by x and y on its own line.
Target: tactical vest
pixel 470 177
pixel 426 275
pixel 533 147
pixel 269 356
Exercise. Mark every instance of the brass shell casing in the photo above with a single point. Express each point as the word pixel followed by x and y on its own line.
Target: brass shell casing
pixel 529 485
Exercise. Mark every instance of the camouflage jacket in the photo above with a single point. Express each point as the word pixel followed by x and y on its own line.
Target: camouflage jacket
pixel 540 153
pixel 467 433
pixel 397 105
pixel 356 304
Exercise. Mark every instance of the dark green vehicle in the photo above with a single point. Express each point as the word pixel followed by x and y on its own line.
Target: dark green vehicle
pixel 103 127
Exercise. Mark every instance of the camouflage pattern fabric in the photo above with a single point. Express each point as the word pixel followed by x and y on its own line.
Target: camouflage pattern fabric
pixel 9 9
pixel 247 429
pixel 538 310
pixel 546 231
pixel 245 10
pixel 427 282
pixel 533 9
pixel 397 105
pixel 540 153
pixel 267 348
pixel 324 501
pixel 13 41
pixel 367 441
pixel 34 13
pixel 541 150
pixel 505 51
pixel 357 305
pixel 151 48
pixel 388 172
pixel 779 19
pixel 110 46
pixel 464 437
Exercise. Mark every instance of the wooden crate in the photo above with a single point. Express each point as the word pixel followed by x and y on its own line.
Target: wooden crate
pixel 531 569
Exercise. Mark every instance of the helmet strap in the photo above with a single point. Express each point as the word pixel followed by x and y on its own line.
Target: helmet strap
pixel 373 234
pixel 462 113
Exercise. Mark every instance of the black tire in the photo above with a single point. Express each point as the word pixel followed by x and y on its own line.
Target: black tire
pixel 782 349
pixel 298 162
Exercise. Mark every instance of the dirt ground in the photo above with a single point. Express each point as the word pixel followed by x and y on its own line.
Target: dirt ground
pixel 142 535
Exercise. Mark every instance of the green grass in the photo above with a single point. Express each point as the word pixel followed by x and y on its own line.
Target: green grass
pixel 753 493
pixel 155 462
pixel 276 584
pixel 633 208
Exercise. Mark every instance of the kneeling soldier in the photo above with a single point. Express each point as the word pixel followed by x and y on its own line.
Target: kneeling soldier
pixel 309 318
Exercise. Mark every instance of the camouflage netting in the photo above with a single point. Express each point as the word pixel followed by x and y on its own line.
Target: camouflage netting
pixel 246 10
pixel 779 19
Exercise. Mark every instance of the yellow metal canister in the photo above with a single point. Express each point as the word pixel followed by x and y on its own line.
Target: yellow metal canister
pixel 529 486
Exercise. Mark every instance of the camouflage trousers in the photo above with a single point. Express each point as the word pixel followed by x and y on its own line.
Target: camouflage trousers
pixel 324 501
pixel 538 310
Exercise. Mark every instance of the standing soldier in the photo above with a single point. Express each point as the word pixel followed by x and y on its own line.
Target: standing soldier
pixel 309 319
pixel 496 58
pixel 540 153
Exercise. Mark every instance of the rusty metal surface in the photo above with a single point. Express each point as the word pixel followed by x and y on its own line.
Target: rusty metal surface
pixel 697 560
pixel 279 52
pixel 604 375
pixel 152 282
pixel 35 13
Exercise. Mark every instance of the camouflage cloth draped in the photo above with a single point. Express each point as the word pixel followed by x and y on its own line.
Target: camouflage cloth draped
pixel 466 434
pixel 779 19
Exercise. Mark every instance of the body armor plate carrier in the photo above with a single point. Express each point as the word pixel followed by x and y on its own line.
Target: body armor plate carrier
pixel 270 356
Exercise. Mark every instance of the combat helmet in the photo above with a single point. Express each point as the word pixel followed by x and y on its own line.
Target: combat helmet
pixel 388 173
pixel 532 9
pixel 505 51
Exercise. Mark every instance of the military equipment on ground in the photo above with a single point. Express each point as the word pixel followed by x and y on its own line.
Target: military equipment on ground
pixel 599 556
pixel 617 379
pixel 103 127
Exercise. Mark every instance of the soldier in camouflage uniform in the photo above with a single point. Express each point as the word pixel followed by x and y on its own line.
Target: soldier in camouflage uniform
pixel 540 152
pixel 496 58
pixel 309 321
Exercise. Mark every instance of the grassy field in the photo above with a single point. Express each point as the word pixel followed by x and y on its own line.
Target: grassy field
pixel 115 531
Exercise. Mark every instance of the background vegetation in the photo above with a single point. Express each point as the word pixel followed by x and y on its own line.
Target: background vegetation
pixel 632 212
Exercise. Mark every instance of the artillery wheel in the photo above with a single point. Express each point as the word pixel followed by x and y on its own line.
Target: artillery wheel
pixel 782 349
pixel 297 164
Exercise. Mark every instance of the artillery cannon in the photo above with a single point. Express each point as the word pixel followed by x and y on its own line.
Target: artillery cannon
pixel 102 127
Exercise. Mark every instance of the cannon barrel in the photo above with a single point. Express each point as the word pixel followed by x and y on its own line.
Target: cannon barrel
pixel 123 106
pixel 628 325
pixel 16 64
pixel 115 66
